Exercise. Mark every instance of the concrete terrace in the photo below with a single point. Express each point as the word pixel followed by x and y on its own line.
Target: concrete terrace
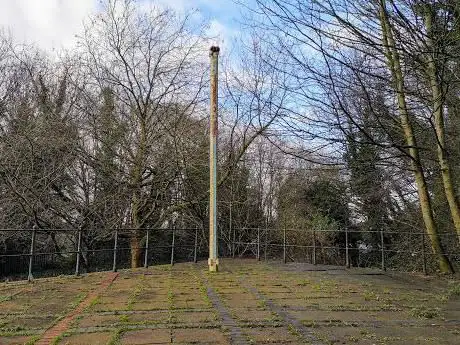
pixel 247 302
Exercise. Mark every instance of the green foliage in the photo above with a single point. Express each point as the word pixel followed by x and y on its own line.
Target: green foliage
pixel 318 203
pixel 327 198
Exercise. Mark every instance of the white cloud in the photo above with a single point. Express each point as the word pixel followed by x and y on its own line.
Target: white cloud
pixel 177 5
pixel 54 23
pixel 221 35
pixel 48 23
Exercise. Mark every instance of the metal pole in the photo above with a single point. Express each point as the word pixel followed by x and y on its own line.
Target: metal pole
pixel 266 244
pixel 382 244
pixel 347 258
pixel 146 257
pixel 232 230
pixel 77 265
pixel 196 246
pixel 234 243
pixel 258 244
pixel 314 247
pixel 115 247
pixel 32 252
pixel 172 246
pixel 284 245
pixel 423 254
pixel 213 261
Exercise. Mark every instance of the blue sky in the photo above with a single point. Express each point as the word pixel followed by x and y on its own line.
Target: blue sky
pixel 54 23
pixel 224 16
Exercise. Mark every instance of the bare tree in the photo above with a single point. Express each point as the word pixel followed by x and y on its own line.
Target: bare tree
pixel 151 61
pixel 321 40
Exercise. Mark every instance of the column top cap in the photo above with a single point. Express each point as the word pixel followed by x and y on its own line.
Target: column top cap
pixel 214 49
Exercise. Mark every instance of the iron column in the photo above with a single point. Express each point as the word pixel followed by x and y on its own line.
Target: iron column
pixel 213 261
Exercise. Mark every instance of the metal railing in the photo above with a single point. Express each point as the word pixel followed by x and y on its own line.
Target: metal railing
pixel 110 249
pixel 384 248
pixel 114 242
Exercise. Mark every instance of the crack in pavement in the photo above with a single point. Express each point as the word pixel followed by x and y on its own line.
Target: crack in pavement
pixel 236 335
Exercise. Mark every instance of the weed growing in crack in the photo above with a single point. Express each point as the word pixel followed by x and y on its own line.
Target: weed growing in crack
pixel 424 312
pixel 116 338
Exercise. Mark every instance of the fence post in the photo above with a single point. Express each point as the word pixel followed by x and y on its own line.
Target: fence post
pixel 196 246
pixel 347 258
pixel 32 252
pixel 284 245
pixel 115 247
pixel 314 247
pixel 232 229
pixel 172 246
pixel 382 244
pixel 423 254
pixel 258 244
pixel 77 264
pixel 266 244
pixel 146 255
pixel 234 243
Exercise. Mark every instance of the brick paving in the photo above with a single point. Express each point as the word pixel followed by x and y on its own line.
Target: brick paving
pixel 247 302
pixel 64 324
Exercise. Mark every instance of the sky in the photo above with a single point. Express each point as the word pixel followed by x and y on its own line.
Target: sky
pixel 53 24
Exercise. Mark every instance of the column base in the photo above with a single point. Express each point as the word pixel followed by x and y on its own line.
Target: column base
pixel 213 265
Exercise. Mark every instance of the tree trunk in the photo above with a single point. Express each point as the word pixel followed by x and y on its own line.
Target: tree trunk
pixel 438 112
pixel 135 238
pixel 136 250
pixel 136 178
pixel 393 61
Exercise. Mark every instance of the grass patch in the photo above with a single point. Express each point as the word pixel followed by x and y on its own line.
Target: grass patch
pixel 424 312
pixel 14 329
pixel 294 331
pixel 8 333
pixel 124 318
pixel 454 288
pixel 137 291
pixel 95 301
pixel 58 339
pixel 32 340
pixel 370 296
pixel 5 298
pixel 116 339
pixel 304 282
pixel 80 297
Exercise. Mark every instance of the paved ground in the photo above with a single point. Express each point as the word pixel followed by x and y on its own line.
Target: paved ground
pixel 246 303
